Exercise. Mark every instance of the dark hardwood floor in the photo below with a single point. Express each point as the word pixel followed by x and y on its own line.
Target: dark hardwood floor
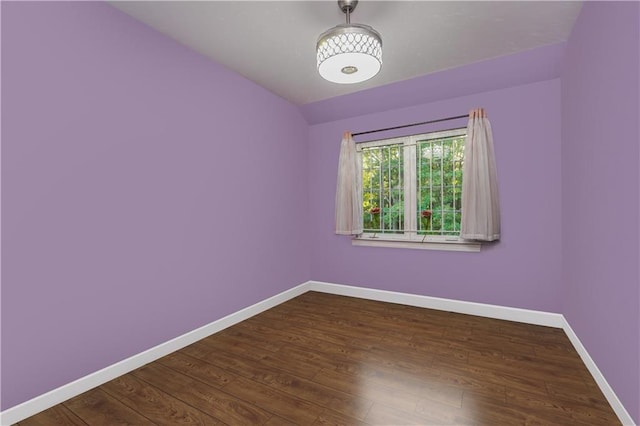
pixel 321 359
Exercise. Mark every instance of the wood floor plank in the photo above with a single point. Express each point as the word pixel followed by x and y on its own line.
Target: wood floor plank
pixel 515 381
pixel 323 359
pixel 278 332
pixel 232 362
pixel 235 346
pixel 471 385
pixel 314 360
pixel 384 415
pixel 268 344
pixel 410 361
pixel 197 369
pixel 318 333
pixel 415 365
pixel 284 362
pixel 583 395
pixel 280 403
pixel 208 399
pixel 447 396
pixel 98 408
pixel 477 339
pixel 439 347
pixel 349 323
pixel 388 376
pixel 375 390
pixel 532 366
pixel 487 411
pixel 56 415
pixel 523 333
pixel 585 414
pixel 331 418
pixel 156 405
pixel 354 406
pixel 279 421
pixel 433 412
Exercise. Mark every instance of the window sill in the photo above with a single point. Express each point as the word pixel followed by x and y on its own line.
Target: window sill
pixel 431 243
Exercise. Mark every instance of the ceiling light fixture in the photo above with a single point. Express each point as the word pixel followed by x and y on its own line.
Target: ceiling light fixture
pixel 349 53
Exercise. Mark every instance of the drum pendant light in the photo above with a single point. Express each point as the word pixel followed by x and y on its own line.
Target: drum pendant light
pixel 349 53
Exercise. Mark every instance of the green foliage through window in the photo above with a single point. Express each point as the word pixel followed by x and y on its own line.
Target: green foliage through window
pixel 382 189
pixel 433 178
pixel 439 185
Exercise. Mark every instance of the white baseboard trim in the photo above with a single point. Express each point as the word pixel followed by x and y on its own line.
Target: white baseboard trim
pixel 56 396
pixel 490 311
pixel 83 384
pixel 471 308
pixel 612 398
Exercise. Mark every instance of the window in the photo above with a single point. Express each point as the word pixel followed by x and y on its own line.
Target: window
pixel 412 191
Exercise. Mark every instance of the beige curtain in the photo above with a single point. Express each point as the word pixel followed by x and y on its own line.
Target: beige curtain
pixel 348 190
pixel 480 204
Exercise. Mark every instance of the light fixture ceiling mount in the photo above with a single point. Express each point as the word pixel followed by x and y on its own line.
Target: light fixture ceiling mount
pixel 349 53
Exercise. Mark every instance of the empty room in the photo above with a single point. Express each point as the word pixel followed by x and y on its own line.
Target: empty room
pixel 320 213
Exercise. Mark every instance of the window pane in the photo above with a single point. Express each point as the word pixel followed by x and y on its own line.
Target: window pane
pixel 439 185
pixel 383 189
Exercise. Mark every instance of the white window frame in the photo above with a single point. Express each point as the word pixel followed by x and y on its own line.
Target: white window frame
pixel 410 238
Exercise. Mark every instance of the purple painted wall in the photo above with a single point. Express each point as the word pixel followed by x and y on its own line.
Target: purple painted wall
pixel 119 176
pixel 600 185
pixel 146 191
pixel 524 269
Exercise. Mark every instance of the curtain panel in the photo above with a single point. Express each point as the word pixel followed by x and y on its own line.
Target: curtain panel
pixel 349 189
pixel 480 201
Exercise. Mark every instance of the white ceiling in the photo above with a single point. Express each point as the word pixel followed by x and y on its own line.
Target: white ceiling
pixel 273 42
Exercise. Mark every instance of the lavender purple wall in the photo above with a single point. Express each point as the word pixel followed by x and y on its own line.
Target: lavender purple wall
pixel 523 269
pixel 146 191
pixel 600 186
pixel 119 176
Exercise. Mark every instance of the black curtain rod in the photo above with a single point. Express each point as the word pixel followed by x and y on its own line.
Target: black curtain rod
pixel 410 125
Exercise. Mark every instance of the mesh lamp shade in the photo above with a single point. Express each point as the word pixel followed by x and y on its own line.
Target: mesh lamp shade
pixel 349 53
